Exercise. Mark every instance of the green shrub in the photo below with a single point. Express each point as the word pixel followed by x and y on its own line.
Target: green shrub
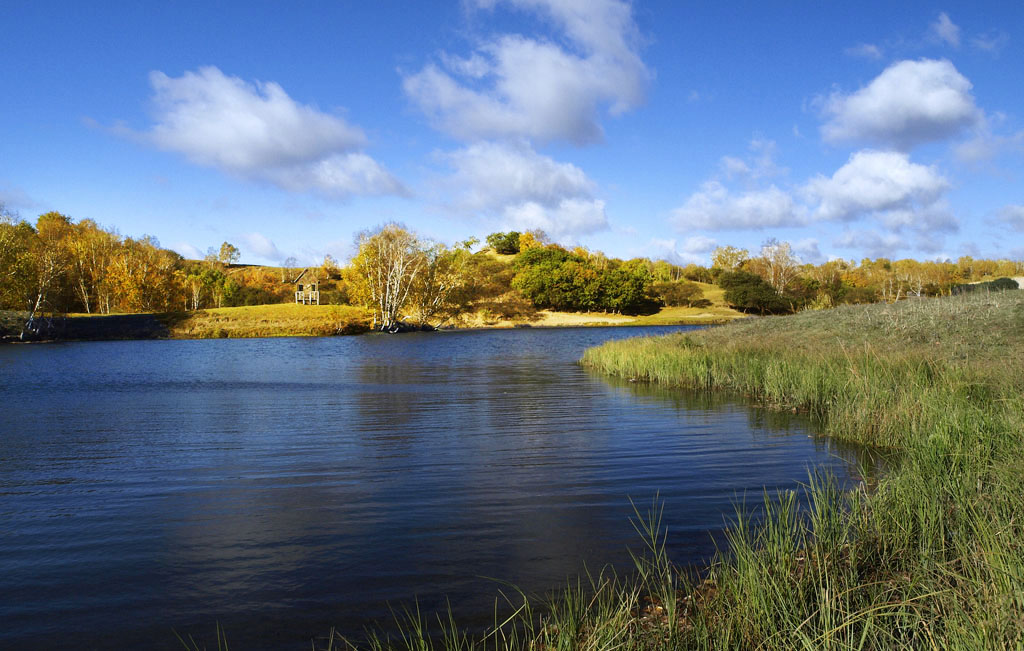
pixel 678 293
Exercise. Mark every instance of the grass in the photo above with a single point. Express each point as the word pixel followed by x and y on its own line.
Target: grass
pixel 934 555
pixel 280 320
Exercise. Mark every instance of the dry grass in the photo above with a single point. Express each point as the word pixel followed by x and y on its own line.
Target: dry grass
pixel 281 320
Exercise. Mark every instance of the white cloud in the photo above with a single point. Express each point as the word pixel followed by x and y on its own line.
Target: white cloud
pixel 992 42
pixel 490 175
pixel 517 87
pixel 525 188
pixel 807 250
pixel 864 51
pixel 910 103
pixel 564 221
pixel 987 143
pixel 945 30
pixel 188 251
pixel 760 164
pixel 693 249
pixel 698 244
pixel 715 207
pixel 260 245
pixel 1013 216
pixel 875 182
pixel 929 219
pixel 873 244
pixel 256 131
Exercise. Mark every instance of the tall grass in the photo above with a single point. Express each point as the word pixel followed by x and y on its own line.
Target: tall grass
pixel 933 557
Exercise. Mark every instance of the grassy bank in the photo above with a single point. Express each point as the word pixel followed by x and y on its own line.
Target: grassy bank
pixel 281 320
pixel 934 556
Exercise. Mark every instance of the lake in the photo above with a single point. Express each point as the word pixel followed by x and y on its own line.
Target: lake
pixel 282 487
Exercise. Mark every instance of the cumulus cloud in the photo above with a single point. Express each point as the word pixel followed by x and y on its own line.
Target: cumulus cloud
pixel 875 182
pixel 259 244
pixel 715 207
pixel 517 87
pixel 527 189
pixel 910 103
pixel 567 219
pixel 864 51
pixel 807 250
pixel 491 175
pixel 1013 216
pixel 693 249
pixel 874 244
pixel 945 30
pixel 256 131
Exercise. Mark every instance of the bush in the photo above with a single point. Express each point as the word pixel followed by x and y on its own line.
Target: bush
pixel 504 243
pixel 997 285
pixel 678 293
pixel 748 292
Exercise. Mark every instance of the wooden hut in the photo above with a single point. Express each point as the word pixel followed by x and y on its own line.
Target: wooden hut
pixel 307 288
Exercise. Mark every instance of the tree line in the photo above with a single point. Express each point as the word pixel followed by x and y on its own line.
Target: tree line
pixel 60 266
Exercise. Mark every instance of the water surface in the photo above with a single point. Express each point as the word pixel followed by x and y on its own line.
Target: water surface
pixel 284 486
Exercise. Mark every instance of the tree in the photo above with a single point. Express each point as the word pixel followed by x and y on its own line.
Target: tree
pixel 436 290
pixel 384 270
pixel 678 293
pixel 504 243
pixel 330 267
pixel 729 258
pixel 91 249
pixel 228 254
pixel 16 265
pixel 777 264
pixel 286 268
pixel 49 259
pixel 749 292
pixel 533 239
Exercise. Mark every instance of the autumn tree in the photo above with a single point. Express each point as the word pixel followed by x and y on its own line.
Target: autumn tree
pixel 49 259
pixel 16 268
pixel 777 264
pixel 533 239
pixel 437 291
pixel 384 271
pixel 91 248
pixel 228 254
pixel 729 258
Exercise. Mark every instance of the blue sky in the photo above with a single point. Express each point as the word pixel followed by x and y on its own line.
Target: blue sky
pixel 660 129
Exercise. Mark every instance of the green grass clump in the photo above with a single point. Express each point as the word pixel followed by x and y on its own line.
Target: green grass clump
pixel 278 320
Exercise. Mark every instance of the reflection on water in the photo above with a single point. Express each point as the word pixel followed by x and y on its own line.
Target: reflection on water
pixel 284 486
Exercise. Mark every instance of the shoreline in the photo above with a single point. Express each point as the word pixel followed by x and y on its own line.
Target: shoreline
pixel 346 321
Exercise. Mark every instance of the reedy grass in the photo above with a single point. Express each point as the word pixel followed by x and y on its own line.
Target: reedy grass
pixel 933 557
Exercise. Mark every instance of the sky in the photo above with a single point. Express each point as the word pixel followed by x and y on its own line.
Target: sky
pixel 649 128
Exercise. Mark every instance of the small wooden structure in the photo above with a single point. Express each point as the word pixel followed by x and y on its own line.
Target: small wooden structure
pixel 307 288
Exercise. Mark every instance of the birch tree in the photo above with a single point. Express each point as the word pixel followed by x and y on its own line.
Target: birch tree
pixel 388 263
pixel 437 290
pixel 777 264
